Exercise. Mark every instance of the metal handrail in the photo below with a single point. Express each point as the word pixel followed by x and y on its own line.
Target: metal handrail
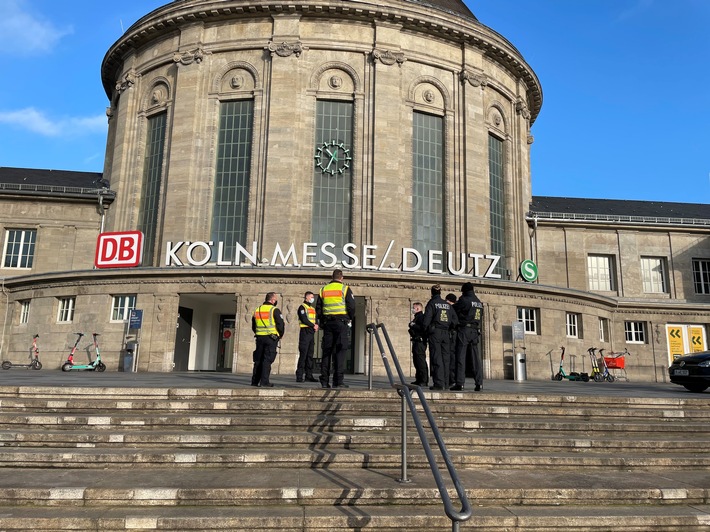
pixel 456 516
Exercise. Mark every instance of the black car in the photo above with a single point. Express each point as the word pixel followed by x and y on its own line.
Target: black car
pixel 692 371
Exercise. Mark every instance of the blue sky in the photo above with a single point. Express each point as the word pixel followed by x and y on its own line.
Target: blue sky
pixel 625 115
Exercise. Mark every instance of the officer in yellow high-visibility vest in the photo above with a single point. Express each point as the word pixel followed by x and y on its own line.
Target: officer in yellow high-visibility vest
pixel 268 326
pixel 335 309
pixel 306 338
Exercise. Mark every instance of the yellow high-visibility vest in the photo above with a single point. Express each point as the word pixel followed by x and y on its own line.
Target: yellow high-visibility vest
pixel 333 296
pixel 264 317
pixel 311 313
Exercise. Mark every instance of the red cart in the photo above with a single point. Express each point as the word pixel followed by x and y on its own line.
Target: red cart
pixel 616 360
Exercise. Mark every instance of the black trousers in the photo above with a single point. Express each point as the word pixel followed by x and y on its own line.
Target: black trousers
pixel 439 342
pixel 421 370
pixel 306 344
pixel 336 342
pixel 467 339
pixel 264 356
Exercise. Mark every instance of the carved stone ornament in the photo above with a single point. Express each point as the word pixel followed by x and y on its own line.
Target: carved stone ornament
pixel 497 119
pixel 126 82
pixel 522 109
pixel 428 96
pixel 236 82
pixel 109 112
pixel 335 82
pixel 158 97
pixel 531 139
pixel 474 79
pixel 285 49
pixel 389 58
pixel 189 57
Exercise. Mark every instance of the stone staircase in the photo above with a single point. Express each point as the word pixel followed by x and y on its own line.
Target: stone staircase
pixel 79 458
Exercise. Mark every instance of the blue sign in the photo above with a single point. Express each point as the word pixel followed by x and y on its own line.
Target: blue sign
pixel 136 319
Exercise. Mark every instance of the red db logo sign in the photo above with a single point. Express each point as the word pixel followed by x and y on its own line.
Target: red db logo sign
pixel 119 250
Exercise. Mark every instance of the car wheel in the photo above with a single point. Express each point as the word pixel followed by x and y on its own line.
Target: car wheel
pixel 697 387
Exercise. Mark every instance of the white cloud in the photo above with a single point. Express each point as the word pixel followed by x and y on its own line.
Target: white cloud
pixel 36 121
pixel 25 32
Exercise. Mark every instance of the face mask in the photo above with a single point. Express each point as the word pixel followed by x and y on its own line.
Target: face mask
pixel 310 300
pixel 276 303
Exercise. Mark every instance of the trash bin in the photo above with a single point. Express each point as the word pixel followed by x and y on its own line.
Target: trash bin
pixel 520 367
pixel 128 357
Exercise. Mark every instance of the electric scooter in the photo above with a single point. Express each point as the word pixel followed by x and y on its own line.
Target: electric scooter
pixel 95 365
pixel 606 374
pixel 573 376
pixel 597 374
pixel 34 358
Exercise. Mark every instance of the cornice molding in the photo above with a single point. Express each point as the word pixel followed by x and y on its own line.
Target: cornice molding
pixel 410 16
pixel 286 49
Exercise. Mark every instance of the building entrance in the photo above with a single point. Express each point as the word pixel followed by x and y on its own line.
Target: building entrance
pixel 355 356
pixel 205 340
pixel 183 339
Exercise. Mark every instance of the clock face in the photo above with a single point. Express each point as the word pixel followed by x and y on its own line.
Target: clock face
pixel 332 157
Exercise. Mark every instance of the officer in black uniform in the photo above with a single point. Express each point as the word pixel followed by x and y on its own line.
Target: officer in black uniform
pixel 438 320
pixel 306 338
pixel 417 333
pixel 469 311
pixel 451 362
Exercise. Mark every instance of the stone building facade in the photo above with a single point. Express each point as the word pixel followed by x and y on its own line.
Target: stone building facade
pixel 257 146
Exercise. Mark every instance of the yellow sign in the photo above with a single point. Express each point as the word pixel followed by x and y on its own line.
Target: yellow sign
pixel 675 342
pixel 697 340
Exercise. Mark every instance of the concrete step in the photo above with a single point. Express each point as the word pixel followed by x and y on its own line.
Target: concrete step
pixel 325 456
pixel 155 486
pixel 382 518
pixel 515 427
pixel 261 401
pixel 539 442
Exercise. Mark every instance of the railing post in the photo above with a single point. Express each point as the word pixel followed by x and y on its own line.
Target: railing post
pixel 369 367
pixel 404 478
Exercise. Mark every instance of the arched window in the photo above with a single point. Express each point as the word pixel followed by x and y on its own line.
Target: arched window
pixel 332 183
pixel 150 192
pixel 230 210
pixel 428 185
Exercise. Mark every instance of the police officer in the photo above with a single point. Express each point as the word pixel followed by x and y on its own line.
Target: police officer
pixel 268 326
pixel 450 363
pixel 439 317
pixel 335 310
pixel 417 334
pixel 469 311
pixel 308 327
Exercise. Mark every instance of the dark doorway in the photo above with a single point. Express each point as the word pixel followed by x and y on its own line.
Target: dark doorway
pixel 183 336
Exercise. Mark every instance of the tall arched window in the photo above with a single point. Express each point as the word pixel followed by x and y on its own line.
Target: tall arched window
pixel 332 183
pixel 497 199
pixel 428 183
pixel 150 192
pixel 230 209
